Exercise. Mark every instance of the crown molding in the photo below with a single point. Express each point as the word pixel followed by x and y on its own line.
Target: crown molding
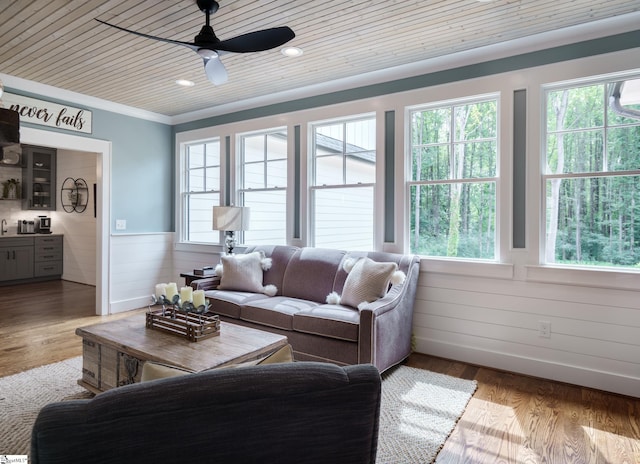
pixel 56 93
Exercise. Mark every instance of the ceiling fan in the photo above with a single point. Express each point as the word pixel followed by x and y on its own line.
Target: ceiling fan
pixel 209 47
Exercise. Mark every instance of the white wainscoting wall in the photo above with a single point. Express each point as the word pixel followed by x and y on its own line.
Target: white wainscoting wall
pixel 493 321
pixel 138 263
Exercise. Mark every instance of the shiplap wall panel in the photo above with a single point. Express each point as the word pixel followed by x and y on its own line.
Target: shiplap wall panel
pixel 138 263
pixel 515 356
pixel 562 291
pixel 595 332
pixel 187 261
pixel 560 323
pixel 596 312
pixel 598 348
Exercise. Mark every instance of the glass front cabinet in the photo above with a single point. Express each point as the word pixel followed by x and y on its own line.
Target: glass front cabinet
pixel 39 178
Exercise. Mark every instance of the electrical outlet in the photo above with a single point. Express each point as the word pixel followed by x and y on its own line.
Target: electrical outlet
pixel 544 330
pixel 121 224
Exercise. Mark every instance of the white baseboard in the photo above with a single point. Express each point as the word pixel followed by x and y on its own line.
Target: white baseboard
pixel 127 305
pixel 576 375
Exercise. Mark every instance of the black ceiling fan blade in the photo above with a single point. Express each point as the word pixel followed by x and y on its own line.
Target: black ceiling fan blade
pixel 257 41
pixel 192 46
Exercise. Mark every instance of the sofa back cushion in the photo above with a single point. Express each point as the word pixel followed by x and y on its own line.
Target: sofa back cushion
pixel 311 273
pixel 286 413
pixel 280 256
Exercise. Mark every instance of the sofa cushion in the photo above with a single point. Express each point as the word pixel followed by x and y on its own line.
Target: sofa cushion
pixel 367 281
pixel 311 273
pixel 228 302
pixel 280 256
pixel 333 321
pixel 276 311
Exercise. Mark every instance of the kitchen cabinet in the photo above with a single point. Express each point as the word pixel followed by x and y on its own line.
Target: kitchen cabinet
pixel 34 258
pixel 48 256
pixel 39 178
pixel 16 258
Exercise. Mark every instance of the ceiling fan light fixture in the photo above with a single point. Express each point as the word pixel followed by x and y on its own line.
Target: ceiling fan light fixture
pixel 208 46
pixel 207 54
pixel 291 51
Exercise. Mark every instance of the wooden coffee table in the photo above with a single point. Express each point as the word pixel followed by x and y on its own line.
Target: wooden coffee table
pixel 114 352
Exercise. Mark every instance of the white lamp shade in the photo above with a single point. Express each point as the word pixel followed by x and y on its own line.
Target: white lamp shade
pixel 230 218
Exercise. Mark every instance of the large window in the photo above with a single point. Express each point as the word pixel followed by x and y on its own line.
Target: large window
pixel 201 190
pixel 263 186
pixel 453 179
pixel 342 184
pixel 592 174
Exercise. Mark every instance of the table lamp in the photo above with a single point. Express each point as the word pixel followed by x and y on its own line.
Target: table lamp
pixel 230 219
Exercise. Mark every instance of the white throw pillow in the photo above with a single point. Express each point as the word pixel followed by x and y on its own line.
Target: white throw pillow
pixel 368 280
pixel 243 273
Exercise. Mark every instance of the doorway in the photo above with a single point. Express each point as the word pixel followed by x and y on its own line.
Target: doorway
pixel 102 150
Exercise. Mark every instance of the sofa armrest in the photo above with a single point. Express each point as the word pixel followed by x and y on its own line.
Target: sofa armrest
pixel 206 283
pixel 386 324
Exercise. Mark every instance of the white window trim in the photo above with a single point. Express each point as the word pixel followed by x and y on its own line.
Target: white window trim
pixel 311 187
pixel 591 276
pixel 182 140
pixel 502 164
pixel 236 174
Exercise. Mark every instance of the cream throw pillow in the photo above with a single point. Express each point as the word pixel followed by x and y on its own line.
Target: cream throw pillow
pixel 242 272
pixel 367 281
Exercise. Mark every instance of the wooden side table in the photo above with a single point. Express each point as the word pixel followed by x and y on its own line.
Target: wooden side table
pixel 190 277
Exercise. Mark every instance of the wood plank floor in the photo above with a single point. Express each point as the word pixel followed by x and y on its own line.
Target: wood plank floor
pixel 510 419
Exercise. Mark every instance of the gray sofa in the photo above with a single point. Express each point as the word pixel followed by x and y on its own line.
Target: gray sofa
pixel 378 332
pixel 280 413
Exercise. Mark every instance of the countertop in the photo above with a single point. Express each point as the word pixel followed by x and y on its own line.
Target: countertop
pixel 14 235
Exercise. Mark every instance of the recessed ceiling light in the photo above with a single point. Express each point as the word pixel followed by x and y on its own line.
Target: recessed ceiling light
pixel 291 51
pixel 185 83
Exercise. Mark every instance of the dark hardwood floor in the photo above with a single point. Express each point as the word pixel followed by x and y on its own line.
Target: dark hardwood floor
pixel 510 419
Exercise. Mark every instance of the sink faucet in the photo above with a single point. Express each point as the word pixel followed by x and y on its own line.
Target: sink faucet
pixel 4 226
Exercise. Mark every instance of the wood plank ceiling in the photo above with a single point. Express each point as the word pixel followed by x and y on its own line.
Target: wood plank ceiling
pixel 57 42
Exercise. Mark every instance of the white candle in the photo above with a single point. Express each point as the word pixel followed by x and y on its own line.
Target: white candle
pixel 171 290
pixel 160 290
pixel 186 294
pixel 198 298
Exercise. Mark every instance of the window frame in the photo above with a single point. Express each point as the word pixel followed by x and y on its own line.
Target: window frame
pixel 183 195
pixel 604 80
pixel 238 192
pixel 497 180
pixel 311 171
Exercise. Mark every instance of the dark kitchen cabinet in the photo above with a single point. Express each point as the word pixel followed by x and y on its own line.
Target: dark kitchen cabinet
pixel 39 178
pixel 16 258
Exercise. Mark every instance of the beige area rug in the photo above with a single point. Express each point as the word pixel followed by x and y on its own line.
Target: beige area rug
pixel 419 408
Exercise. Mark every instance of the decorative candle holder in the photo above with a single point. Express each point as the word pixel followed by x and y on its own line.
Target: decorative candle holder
pixel 174 305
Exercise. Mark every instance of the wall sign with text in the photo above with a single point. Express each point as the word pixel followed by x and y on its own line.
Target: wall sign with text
pixel 49 114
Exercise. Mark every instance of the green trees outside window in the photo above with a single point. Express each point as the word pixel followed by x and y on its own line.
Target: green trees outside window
pixel 454 156
pixel 592 178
